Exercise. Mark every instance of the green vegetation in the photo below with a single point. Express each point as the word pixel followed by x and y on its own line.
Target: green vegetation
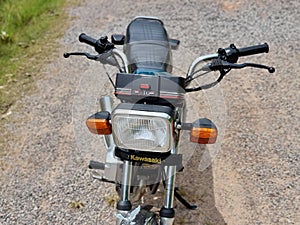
pixel 28 31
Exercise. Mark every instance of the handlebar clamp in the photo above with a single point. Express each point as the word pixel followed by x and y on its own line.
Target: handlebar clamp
pixel 230 54
pixel 103 45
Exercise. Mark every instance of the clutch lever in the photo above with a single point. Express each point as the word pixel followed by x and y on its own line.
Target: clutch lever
pixel 104 58
pixel 89 56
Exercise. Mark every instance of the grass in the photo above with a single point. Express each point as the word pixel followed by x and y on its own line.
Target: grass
pixel 28 33
pixel 29 30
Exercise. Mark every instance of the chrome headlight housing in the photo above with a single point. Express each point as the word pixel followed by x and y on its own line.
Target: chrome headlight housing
pixel 143 127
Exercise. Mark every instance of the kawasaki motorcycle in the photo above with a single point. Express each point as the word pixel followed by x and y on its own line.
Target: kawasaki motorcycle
pixel 142 133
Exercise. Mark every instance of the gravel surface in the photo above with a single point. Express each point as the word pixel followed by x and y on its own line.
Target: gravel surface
pixel 254 177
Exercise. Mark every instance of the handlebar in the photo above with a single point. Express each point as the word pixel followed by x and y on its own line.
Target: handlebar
pixel 223 61
pixel 255 49
pixel 232 53
pixel 101 45
pixel 87 39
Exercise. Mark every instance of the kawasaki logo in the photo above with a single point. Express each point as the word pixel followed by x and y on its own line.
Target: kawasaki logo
pixel 145 159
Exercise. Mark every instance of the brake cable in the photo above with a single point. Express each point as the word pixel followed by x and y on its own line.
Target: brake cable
pixel 207 86
pixel 224 67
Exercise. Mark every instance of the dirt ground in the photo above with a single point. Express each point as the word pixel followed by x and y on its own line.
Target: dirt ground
pixel 251 176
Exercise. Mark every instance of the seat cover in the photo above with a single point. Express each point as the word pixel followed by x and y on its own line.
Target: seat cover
pixel 147 46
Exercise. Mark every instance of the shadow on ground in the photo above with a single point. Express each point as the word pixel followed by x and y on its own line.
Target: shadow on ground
pixel 198 188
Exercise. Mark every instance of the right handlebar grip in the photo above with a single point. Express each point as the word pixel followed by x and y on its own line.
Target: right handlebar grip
pixel 256 49
pixel 87 39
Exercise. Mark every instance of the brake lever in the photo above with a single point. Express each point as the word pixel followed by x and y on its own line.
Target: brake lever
pixel 89 56
pixel 223 67
pixel 219 64
pixel 255 65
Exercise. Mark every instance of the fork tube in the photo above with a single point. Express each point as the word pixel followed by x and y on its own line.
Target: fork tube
pixel 167 213
pixel 170 186
pixel 106 105
pixel 126 181
pixel 124 204
pixel 170 182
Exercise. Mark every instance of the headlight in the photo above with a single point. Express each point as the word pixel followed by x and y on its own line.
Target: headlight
pixel 142 130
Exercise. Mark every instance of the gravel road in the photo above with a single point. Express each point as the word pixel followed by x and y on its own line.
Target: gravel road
pixel 254 177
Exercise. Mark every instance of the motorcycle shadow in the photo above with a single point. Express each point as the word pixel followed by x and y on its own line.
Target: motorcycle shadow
pixel 197 187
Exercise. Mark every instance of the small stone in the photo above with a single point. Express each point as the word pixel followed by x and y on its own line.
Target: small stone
pixel 6 114
pixel 284 221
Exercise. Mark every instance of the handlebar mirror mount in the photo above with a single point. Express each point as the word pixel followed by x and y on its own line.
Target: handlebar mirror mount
pixel 118 39
pixel 174 43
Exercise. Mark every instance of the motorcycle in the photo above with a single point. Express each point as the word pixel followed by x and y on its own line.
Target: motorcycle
pixel 141 134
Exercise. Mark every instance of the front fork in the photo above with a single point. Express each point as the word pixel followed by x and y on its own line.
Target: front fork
pixel 124 203
pixel 167 212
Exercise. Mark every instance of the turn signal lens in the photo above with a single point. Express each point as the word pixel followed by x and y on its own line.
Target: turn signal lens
pixel 99 123
pixel 203 135
pixel 203 131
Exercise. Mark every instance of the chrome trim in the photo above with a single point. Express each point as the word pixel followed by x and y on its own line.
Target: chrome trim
pixel 123 91
pixel 170 186
pixel 173 95
pixel 166 221
pixel 141 113
pixel 106 105
pixel 123 58
pixel 170 182
pixel 198 60
pixel 125 113
pixel 126 181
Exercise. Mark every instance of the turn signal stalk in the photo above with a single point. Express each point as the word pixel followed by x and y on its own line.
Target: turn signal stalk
pixel 99 123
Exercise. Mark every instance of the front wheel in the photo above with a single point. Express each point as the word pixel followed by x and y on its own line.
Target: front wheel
pixel 138 216
pixel 146 217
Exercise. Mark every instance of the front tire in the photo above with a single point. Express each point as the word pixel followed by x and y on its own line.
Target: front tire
pixel 146 217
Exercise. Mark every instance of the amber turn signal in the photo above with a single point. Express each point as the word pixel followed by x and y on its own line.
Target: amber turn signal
pixel 99 123
pixel 203 135
pixel 203 131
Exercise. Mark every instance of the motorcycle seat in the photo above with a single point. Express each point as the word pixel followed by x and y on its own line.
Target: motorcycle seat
pixel 147 46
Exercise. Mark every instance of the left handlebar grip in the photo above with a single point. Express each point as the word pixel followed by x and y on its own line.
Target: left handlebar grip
pixel 87 39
